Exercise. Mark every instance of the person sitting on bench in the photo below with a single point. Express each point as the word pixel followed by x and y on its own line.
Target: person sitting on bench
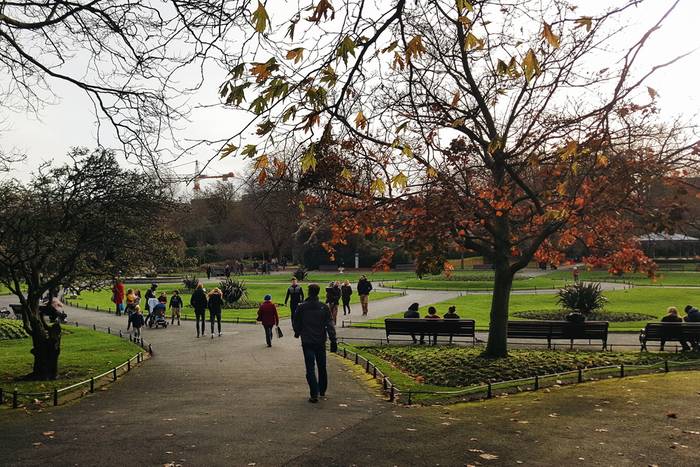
pixel 692 316
pixel 412 312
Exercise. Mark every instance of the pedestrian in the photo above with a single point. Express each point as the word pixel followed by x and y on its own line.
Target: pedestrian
pixel 268 317
pixel 575 272
pixel 345 294
pixel 364 287
pixel 313 324
pixel 175 307
pixel 215 302
pixel 431 316
pixel 209 271
pixel 118 296
pixel 227 271
pixel 295 295
pixel 130 305
pixel 692 316
pixel 670 317
pixel 150 293
pixel 198 301
pixel 137 321
pixel 333 299
pixel 451 313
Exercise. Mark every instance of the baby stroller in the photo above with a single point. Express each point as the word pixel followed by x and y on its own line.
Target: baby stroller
pixel 156 317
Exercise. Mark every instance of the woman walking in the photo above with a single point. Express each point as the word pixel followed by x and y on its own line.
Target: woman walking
pixel 215 303
pixel 332 299
pixel 345 293
pixel 268 317
pixel 198 301
pixel 175 307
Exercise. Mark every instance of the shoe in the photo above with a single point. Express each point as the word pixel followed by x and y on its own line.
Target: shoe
pixel 323 394
pixel 212 335
pixel 219 334
pixel 197 336
pixel 313 400
pixel 269 345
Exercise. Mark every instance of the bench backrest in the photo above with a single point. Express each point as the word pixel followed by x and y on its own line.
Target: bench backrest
pixel 671 331
pixel 441 327
pixel 557 329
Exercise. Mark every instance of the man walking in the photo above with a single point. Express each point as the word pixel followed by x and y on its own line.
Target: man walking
pixel 312 322
pixel 364 287
pixel 295 295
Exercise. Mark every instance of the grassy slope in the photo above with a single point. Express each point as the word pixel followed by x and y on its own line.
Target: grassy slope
pixel 652 301
pixel 256 292
pixel 84 353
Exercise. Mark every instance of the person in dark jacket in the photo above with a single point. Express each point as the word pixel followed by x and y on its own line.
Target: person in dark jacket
pixel 313 324
pixel 150 293
pixel 364 287
pixel 137 321
pixel 198 301
pixel 215 302
pixel 692 316
pixel 671 316
pixel 295 295
pixel 451 313
pixel 268 317
pixel 412 312
pixel 175 307
pixel 345 294
pixel 333 299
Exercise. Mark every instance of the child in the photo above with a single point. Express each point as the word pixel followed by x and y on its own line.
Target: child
pixel 175 307
pixel 432 313
pixel 137 321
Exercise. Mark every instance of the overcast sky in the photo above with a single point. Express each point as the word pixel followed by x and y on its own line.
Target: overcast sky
pixel 72 123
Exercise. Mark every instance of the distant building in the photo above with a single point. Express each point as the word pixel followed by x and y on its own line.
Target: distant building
pixel 663 245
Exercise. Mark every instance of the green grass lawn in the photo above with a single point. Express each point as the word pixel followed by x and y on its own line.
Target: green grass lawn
pixel 476 282
pixel 663 278
pixel 84 353
pixel 647 300
pixel 256 293
pixel 325 277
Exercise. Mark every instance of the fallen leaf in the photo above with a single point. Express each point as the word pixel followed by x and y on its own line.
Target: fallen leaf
pixel 554 415
pixel 488 457
pixel 49 433
pixel 601 430
pixel 671 414
pixel 411 429
pixel 475 450
pixel 169 434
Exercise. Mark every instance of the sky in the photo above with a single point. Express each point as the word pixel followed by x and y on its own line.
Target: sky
pixel 71 122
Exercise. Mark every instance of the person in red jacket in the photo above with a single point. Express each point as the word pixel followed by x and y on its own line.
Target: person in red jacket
pixel 118 296
pixel 268 317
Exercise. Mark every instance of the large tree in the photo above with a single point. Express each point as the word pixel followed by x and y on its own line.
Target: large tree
pixel 507 128
pixel 78 223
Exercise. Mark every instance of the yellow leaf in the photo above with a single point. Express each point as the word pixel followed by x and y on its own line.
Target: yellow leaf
pixel 549 36
pixel 346 174
pixel 360 120
pixel 570 150
pixel 378 186
pixel 431 172
pixel 400 180
pixel 414 48
pixel 261 162
pixel 296 54
pixel 464 5
pixel 495 145
pixel 308 160
pixel 261 18
pixel 584 21
pixel 407 151
pixel 561 188
pixel 228 150
pixel 602 160
pixel 473 42
pixel 262 177
pixel 531 66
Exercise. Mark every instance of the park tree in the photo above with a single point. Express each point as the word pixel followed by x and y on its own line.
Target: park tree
pixel 136 61
pixel 80 223
pixel 511 129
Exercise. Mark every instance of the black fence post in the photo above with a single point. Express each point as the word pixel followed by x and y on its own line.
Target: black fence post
pixel 409 397
pixel 374 371
pixel 142 342
pixel 666 366
pixel 14 399
pixel 367 366
pixel 384 383
pixel 92 384
pixel 622 370
pixel 150 350
pixel 120 333
pixel 55 397
pixel 128 365
pixel 76 324
pixel 392 396
pixel 94 327
pixel 2 396
pixel 345 352
pixel 109 330
pixel 537 382
pixel 114 374
pixel 580 375
pixel 357 359
pixel 489 392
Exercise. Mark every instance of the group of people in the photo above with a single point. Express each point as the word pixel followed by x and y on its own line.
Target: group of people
pixel 412 312
pixel 200 302
pixel 692 315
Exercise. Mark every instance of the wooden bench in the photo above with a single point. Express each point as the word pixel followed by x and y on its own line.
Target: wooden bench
pixel 664 332
pixel 549 330
pixel 17 310
pixel 430 327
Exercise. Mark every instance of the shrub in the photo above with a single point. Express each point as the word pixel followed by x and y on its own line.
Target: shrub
pixel 581 297
pixel 611 316
pixel 232 290
pixel 300 274
pixel 190 282
pixel 12 329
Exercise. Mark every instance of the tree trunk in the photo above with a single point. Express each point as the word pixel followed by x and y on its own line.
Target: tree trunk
pixel 46 339
pixel 497 345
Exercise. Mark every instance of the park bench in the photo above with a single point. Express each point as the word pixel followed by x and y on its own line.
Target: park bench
pixel 669 332
pixel 481 267
pixel 405 267
pixel 328 268
pixel 430 327
pixel 550 330
pixel 17 310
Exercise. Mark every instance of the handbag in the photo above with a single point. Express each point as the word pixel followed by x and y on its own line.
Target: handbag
pixel 279 333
